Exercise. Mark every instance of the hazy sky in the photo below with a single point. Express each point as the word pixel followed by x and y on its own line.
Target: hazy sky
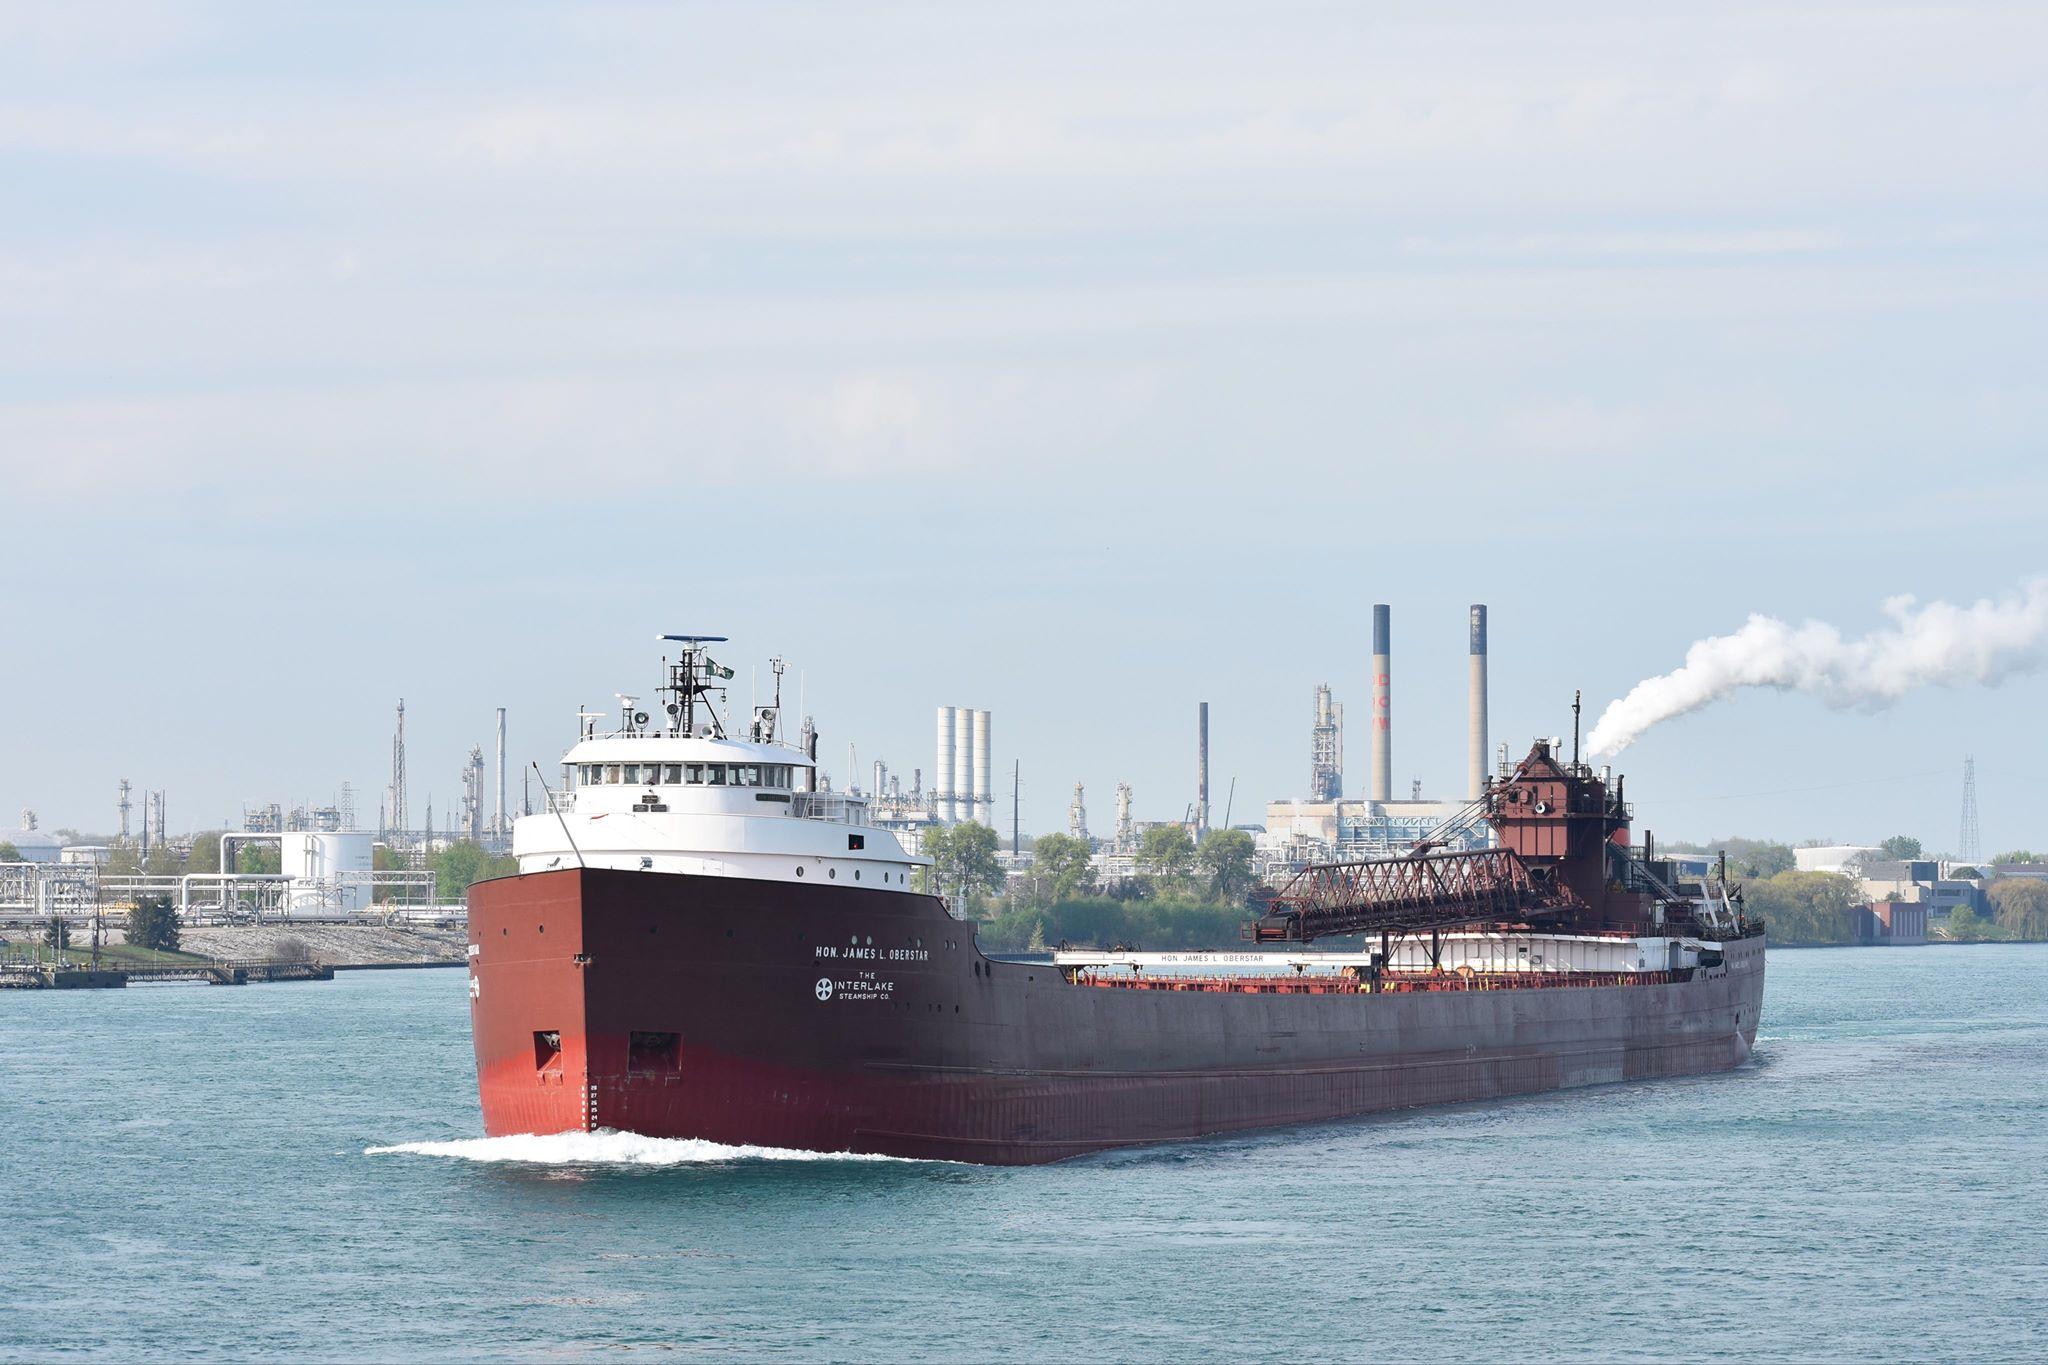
pixel 1077 362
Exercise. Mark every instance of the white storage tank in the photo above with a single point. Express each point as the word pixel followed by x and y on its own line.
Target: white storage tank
pixel 343 860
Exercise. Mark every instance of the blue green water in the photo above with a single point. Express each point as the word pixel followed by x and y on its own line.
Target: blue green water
pixel 187 1174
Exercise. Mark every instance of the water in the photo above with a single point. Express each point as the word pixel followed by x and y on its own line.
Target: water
pixel 189 1172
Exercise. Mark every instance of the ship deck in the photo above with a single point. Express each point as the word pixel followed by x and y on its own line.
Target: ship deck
pixel 1389 984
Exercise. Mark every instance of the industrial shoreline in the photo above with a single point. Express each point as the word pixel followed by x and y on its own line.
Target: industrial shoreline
pixel 341 947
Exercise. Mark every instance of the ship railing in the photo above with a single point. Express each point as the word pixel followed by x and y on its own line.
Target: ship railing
pixel 561 802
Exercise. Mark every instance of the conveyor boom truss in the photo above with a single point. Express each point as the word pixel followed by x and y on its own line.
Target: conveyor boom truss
pixel 1402 895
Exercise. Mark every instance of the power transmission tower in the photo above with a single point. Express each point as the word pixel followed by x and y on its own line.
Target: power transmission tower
pixel 1967 846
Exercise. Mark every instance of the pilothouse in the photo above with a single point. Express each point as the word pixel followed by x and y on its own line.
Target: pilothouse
pixel 679 794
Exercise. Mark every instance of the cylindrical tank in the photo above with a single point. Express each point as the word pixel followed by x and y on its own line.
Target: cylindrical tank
pixel 338 862
pixel 1382 703
pixel 1475 710
pixel 942 771
pixel 984 777
pixel 963 763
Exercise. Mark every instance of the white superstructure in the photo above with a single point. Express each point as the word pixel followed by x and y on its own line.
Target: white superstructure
pixel 682 796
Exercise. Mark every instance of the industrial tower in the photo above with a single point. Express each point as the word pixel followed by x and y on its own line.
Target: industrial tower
pixel 1967 846
pixel 395 799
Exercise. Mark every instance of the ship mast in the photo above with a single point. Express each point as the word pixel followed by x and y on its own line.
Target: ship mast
pixel 691 681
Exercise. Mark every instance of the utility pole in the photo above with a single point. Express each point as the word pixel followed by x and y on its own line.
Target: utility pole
pixel 1016 807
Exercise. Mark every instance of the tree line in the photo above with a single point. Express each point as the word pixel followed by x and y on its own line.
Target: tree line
pixel 1185 893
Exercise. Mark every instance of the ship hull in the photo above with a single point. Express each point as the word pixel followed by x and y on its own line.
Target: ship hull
pixel 841 1019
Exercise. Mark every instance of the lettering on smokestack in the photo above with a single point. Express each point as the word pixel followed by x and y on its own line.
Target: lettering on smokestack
pixel 1382 713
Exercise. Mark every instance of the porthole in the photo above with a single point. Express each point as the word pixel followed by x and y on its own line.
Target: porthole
pixel 799 872
pixel 543 928
pixel 832 872
pixel 871 940
pixel 504 933
pixel 856 874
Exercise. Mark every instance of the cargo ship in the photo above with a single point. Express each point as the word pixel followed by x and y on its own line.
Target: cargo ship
pixel 703 942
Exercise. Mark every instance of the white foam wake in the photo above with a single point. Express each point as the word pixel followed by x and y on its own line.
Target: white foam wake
pixel 607 1147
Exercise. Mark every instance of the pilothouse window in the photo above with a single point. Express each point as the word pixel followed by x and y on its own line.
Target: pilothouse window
pixel 715 774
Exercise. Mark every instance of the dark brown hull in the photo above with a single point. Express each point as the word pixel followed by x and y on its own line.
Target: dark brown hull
pixel 921 1047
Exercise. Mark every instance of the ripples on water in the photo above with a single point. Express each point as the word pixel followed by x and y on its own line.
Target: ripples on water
pixel 294 1171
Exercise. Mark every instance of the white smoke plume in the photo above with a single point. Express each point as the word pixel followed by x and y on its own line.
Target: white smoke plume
pixel 1937 643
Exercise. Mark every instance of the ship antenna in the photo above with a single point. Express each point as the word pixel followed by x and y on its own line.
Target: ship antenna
pixel 558 813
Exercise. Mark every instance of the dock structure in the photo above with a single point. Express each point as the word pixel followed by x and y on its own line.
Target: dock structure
pixel 65 976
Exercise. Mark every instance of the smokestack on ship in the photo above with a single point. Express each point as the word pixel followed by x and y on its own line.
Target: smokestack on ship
pixel 1382 719
pixel 1475 710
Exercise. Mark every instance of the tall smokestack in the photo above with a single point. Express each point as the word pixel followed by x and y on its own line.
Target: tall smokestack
pixel 963 763
pixel 1202 772
pixel 1475 709
pixel 942 771
pixel 984 778
pixel 498 822
pixel 1382 716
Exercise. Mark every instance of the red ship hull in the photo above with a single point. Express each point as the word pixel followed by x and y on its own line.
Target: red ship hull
pixel 840 1019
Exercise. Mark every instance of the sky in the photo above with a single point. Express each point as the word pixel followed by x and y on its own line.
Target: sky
pixel 1077 362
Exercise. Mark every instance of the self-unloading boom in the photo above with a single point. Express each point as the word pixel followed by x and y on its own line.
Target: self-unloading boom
pixel 1407 895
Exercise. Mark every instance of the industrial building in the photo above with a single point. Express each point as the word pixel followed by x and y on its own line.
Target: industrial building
pixel 1326 827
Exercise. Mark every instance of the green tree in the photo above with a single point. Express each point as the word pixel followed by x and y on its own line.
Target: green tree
pixel 1900 848
pixel 1967 926
pixel 1062 862
pixel 1806 907
pixel 964 863
pixel 57 933
pixel 460 866
pixel 1167 850
pixel 1226 855
pixel 2020 905
pixel 2018 855
pixel 9 853
pixel 153 923
pixel 205 852
pixel 931 843
pixel 1746 857
pixel 259 858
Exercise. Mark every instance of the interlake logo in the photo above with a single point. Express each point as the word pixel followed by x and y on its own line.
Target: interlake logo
pixel 823 990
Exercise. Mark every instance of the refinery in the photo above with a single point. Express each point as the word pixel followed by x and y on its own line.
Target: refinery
pixel 311 862
pixel 325 862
